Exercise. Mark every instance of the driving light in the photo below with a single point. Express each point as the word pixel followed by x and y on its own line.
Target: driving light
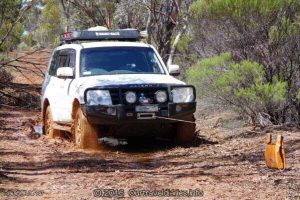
pixel 111 111
pixel 183 94
pixel 161 96
pixel 98 97
pixel 130 97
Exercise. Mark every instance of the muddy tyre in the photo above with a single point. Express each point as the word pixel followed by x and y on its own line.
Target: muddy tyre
pixel 49 125
pixel 84 133
pixel 185 132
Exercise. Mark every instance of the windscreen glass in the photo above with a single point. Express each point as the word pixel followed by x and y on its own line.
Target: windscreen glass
pixel 119 60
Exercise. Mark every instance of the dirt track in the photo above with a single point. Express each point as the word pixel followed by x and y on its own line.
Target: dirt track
pixel 221 163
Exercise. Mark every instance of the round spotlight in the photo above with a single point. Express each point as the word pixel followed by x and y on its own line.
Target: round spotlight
pixel 161 96
pixel 130 97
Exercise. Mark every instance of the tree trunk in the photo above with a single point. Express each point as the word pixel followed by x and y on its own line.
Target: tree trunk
pixel 174 45
pixel 149 24
pixel 107 18
pixel 66 9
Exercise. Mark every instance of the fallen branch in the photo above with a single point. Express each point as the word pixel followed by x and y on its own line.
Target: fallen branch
pixel 3 64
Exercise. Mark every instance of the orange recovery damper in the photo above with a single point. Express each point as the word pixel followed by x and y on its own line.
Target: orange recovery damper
pixel 274 155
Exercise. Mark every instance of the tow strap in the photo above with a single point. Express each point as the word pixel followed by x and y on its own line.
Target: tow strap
pixel 178 120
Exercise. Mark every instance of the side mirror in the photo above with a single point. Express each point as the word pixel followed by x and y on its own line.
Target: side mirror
pixel 174 70
pixel 65 72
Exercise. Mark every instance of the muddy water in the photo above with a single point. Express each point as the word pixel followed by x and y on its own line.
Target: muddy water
pixel 140 151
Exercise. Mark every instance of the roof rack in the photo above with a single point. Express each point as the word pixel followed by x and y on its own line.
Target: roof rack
pixel 86 35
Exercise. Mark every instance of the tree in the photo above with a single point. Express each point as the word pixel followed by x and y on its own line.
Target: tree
pixel 88 13
pixel 131 14
pixel 266 32
pixel 32 19
pixel 29 40
pixel 51 24
pixel 164 19
pixel 11 12
pixel 14 38
pixel 159 18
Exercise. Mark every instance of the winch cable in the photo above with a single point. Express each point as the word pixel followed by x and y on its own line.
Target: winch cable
pixel 172 119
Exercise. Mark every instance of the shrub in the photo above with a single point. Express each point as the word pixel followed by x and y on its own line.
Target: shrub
pixel 29 40
pixel 238 84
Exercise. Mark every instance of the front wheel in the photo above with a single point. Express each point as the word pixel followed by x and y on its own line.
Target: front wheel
pixel 84 133
pixel 49 125
pixel 185 132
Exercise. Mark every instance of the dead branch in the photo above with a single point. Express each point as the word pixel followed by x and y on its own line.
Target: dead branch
pixel 8 95
pixel 41 74
pixel 33 64
pixel 20 57
pixel 20 60
pixel 88 10
pixel 152 9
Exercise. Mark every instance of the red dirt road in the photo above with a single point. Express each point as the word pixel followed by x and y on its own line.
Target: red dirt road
pixel 223 164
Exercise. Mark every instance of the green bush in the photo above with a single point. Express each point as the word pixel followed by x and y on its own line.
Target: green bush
pixel 14 38
pixel 184 42
pixel 241 85
pixel 29 40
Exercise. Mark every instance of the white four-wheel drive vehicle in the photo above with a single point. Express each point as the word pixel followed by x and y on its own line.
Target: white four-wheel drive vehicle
pixel 108 83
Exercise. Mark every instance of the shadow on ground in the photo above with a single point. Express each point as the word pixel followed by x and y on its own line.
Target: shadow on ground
pixel 137 157
pixel 150 145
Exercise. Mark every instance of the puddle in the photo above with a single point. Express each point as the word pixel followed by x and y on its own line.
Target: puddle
pixel 30 133
pixel 138 152
pixel 38 130
pixel 147 161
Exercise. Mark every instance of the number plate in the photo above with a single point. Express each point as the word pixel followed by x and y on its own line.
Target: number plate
pixel 148 108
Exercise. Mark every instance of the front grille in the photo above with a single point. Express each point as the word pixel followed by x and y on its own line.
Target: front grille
pixel 118 95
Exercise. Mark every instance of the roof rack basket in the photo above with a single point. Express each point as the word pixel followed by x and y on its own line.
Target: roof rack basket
pixel 86 35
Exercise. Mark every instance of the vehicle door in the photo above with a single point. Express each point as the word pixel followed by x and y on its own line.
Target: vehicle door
pixel 63 100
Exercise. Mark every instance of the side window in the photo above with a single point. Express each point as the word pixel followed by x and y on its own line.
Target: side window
pixel 67 58
pixel 62 58
pixel 54 64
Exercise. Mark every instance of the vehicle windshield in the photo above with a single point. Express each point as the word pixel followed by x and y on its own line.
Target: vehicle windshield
pixel 119 60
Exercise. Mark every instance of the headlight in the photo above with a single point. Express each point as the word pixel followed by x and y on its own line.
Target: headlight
pixel 130 97
pixel 98 97
pixel 161 96
pixel 183 94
